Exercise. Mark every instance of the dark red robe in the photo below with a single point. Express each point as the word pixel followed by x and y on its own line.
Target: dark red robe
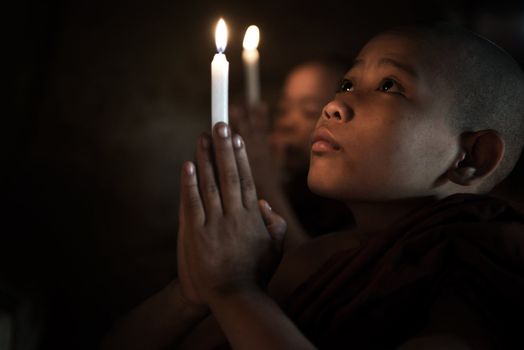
pixel 380 295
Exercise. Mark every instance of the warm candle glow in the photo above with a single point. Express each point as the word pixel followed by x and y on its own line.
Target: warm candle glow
pixel 221 35
pixel 250 57
pixel 251 38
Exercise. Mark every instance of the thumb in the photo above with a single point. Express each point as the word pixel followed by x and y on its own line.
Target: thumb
pixel 275 224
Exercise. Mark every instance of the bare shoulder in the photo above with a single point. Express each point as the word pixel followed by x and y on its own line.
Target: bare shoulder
pixel 298 264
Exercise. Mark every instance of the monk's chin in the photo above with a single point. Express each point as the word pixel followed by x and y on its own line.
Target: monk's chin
pixel 322 187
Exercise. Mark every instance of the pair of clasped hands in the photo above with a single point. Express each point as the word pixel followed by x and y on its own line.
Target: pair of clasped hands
pixel 228 240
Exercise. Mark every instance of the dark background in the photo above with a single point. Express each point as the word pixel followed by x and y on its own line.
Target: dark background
pixel 104 102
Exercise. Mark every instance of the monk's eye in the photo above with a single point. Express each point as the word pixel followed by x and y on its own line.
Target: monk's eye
pixel 391 86
pixel 345 86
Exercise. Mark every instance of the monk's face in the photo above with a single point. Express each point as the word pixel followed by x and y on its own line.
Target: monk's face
pixel 385 135
pixel 306 90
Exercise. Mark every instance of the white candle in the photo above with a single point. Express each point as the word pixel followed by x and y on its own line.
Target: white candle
pixel 219 77
pixel 250 57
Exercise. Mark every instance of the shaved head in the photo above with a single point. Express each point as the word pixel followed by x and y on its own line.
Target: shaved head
pixel 484 84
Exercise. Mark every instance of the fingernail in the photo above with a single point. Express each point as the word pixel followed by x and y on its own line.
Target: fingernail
pixel 268 206
pixel 189 168
pixel 237 141
pixel 204 141
pixel 223 131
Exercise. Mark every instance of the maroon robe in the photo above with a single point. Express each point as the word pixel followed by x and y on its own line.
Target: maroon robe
pixel 380 295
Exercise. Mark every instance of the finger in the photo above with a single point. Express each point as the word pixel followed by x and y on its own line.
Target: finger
pixel 207 178
pixel 184 275
pixel 247 183
pixel 275 224
pixel 191 206
pixel 228 176
pixel 180 255
pixel 186 235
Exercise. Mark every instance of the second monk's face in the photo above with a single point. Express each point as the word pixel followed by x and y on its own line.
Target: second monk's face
pixel 307 89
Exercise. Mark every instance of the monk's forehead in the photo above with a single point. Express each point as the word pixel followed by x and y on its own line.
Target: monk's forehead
pixel 413 49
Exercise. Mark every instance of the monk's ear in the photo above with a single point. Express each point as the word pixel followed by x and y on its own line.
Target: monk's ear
pixel 481 154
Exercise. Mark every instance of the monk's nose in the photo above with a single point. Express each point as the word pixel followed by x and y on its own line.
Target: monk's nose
pixel 338 111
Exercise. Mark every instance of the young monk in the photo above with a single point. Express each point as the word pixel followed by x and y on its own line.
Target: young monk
pixel 426 121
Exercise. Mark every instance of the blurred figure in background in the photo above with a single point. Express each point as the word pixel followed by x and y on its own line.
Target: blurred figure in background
pixel 279 153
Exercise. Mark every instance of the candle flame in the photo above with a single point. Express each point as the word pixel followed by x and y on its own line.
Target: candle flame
pixel 221 35
pixel 251 38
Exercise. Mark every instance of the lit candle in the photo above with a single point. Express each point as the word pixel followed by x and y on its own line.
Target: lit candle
pixel 250 58
pixel 219 77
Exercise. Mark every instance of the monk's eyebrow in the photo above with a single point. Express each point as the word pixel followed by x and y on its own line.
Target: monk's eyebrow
pixel 404 67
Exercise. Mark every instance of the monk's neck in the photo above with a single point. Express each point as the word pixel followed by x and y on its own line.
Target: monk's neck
pixel 376 216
